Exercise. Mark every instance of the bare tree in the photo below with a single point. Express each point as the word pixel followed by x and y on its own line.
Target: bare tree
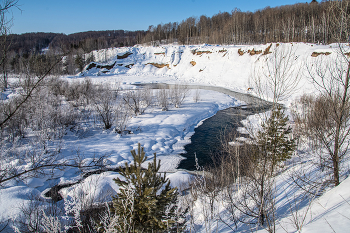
pixel 122 117
pixel 104 104
pixel 139 100
pixel 276 76
pixel 178 93
pixel 5 25
pixel 331 77
pixel 197 95
pixel 325 120
pixel 163 98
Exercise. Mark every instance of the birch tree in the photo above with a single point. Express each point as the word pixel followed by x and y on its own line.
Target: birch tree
pixel 331 77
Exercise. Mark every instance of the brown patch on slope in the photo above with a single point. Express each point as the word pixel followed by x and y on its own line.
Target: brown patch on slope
pixel 159 65
pixel 267 50
pixel 316 54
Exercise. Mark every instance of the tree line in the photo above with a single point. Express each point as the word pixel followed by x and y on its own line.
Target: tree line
pixel 301 22
pixel 35 42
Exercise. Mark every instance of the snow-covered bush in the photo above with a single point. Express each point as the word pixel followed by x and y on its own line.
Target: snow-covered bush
pixel 178 93
pixel 138 100
pixel 105 105
pixel 163 98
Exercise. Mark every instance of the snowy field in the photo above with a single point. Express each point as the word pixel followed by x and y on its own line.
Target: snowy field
pixel 166 132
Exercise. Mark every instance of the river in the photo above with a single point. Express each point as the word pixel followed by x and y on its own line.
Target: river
pixel 206 140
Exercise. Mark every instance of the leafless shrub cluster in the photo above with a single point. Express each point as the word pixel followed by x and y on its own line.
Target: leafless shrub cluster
pixel 44 111
pixel 163 98
pixel 317 124
pixel 248 199
pixel 77 93
pixel 39 216
pixel 178 93
pixel 276 76
pixel 33 126
pixel 175 94
pixel 139 100
pixel 197 96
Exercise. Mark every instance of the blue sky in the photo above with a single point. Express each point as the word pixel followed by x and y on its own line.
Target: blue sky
pixel 69 16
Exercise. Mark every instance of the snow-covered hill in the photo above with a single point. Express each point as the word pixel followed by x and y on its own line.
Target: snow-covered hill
pixel 228 66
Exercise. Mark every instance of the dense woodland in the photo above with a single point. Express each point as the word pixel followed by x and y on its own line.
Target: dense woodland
pixel 88 41
pixel 302 22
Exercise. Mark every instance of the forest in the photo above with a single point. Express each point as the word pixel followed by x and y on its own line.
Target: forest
pixel 302 22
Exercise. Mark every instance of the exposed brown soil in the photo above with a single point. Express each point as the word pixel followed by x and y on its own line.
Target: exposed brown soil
pixel 193 63
pixel 316 54
pixel 159 65
pixel 254 52
pixel 250 52
pixel 267 50
pixel 195 52
pixel 201 52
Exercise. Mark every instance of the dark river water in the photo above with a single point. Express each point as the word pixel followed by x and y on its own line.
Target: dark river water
pixel 206 140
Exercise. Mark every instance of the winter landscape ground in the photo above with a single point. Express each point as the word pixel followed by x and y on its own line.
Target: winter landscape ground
pixel 166 133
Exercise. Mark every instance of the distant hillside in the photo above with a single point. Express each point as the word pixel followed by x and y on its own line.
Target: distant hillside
pixel 88 41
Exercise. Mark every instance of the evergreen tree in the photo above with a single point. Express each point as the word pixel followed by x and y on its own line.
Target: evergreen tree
pixel 79 62
pixel 273 145
pixel 151 205
pixel 275 138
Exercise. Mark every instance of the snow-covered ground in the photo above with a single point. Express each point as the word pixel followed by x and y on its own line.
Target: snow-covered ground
pixel 166 132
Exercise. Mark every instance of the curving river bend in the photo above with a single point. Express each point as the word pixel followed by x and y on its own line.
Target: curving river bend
pixel 206 140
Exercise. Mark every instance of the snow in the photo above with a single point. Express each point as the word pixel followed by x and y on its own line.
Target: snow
pixel 13 199
pixel 330 212
pixel 167 132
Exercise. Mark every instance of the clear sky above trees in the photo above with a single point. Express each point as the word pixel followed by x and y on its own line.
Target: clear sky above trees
pixel 70 16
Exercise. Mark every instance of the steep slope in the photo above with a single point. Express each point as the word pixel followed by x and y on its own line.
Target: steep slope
pixel 228 66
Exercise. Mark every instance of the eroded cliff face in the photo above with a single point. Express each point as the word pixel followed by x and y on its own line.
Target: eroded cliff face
pixel 229 66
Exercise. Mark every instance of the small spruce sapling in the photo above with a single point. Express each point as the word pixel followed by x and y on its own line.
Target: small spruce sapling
pixel 275 138
pixel 154 202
